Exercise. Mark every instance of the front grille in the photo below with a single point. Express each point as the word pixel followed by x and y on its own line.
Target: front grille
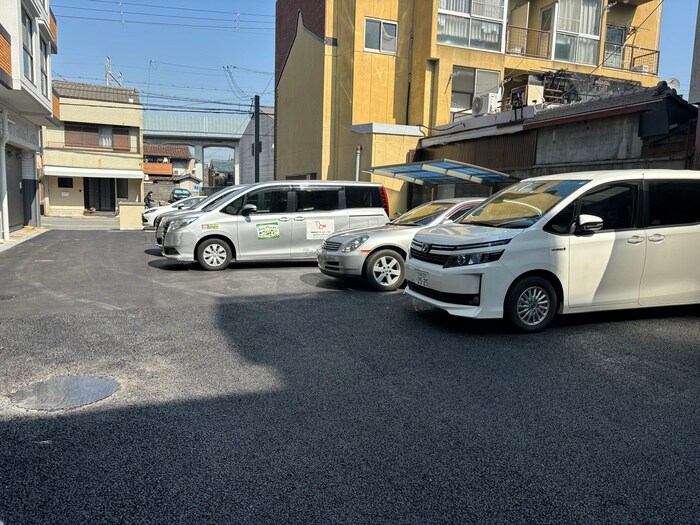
pixel 469 299
pixel 332 265
pixel 331 246
pixel 432 258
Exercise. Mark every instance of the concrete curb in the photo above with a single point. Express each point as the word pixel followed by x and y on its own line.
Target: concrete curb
pixel 19 236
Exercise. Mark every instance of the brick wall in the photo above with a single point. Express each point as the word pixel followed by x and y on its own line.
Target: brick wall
pixel 313 13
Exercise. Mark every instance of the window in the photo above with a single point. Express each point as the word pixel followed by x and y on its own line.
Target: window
pixel 614 45
pixel 121 139
pixel 362 197
pixel 122 188
pixel 44 68
pixel 326 199
pixel 562 221
pixel 674 202
pixel 81 135
pixel 27 39
pixel 468 83
pixel 471 23
pixel 380 36
pixel 105 136
pixel 267 201
pixel 578 31
pixel 615 203
pixel 65 182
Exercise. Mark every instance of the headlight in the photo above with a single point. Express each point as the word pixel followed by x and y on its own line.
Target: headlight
pixel 468 259
pixel 354 244
pixel 181 223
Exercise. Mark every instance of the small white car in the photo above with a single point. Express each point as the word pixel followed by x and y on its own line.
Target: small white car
pixel 378 254
pixel 148 216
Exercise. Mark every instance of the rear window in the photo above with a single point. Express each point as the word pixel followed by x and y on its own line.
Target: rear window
pixel 363 197
pixel 674 202
pixel 323 199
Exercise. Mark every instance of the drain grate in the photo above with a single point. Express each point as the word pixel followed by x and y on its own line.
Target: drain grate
pixel 63 393
pixel 6 297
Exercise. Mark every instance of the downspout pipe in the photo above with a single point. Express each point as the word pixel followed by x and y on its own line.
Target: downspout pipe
pixel 4 209
pixel 358 156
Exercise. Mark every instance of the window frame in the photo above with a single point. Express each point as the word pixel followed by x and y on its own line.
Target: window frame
pixel 647 203
pixel 577 36
pixel 27 47
pixel 382 22
pixel 473 92
pixel 470 16
pixel 44 66
pixel 65 183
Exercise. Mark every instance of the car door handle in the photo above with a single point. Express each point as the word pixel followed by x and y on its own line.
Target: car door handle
pixel 657 238
pixel 284 219
pixel 298 218
pixel 635 240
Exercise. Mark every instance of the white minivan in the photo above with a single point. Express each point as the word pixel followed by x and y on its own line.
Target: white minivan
pixel 268 221
pixel 578 242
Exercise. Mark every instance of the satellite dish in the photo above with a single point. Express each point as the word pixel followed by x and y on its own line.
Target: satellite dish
pixel 674 83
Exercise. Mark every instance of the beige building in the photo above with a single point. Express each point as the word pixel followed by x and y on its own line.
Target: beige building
pixel 28 38
pixel 94 159
pixel 380 75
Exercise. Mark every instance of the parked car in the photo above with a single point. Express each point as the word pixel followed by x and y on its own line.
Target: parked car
pixel 571 243
pixel 284 220
pixel 179 193
pixel 378 254
pixel 149 215
pixel 161 222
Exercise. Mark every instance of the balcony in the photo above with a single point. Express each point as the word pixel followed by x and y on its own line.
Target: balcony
pixel 526 42
pixel 631 58
pixel 157 168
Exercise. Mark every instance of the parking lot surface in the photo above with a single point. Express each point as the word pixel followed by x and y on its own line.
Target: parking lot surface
pixel 272 394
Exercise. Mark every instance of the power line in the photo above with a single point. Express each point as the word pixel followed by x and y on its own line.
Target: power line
pixel 191 26
pixel 139 4
pixel 120 12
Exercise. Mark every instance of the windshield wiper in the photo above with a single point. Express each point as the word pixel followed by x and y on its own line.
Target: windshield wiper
pixel 477 223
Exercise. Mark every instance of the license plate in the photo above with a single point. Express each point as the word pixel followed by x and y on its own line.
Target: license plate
pixel 422 278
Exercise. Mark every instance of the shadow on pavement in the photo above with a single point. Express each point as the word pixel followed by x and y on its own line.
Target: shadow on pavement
pixel 154 251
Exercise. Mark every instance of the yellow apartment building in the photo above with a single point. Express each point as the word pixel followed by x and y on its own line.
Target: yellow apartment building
pixel 368 79
pixel 94 159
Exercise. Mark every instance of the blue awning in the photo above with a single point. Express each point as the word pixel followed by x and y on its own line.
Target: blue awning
pixel 442 172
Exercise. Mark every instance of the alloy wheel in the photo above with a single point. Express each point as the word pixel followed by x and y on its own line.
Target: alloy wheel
pixel 533 305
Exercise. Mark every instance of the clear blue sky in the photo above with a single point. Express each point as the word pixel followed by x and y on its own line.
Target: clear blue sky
pixel 174 51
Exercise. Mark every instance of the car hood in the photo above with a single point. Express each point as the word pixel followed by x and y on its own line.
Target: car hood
pixel 177 214
pixel 385 232
pixel 462 234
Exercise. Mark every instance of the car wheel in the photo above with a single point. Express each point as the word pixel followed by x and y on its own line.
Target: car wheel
pixel 531 304
pixel 214 254
pixel 385 270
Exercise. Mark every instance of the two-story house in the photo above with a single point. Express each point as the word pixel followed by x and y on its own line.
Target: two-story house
pixel 94 159
pixel 373 78
pixel 28 38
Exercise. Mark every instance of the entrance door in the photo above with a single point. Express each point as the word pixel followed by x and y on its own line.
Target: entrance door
pixel 14 188
pixel 99 194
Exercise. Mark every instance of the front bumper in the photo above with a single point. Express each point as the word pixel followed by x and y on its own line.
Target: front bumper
pixel 339 264
pixel 179 245
pixel 467 291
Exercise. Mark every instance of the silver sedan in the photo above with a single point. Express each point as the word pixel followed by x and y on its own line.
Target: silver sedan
pixel 378 255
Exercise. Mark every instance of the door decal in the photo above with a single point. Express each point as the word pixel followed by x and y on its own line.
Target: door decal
pixel 319 229
pixel 268 230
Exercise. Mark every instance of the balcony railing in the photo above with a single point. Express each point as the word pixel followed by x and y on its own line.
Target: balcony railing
pixel 157 168
pixel 87 146
pixel 631 58
pixel 528 42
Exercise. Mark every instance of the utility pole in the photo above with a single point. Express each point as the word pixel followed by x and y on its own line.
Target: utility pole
pixel 256 147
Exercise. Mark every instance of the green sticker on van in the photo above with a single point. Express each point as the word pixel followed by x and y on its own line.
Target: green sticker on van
pixel 268 230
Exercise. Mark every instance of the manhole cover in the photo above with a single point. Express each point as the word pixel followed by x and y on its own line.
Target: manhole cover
pixel 62 393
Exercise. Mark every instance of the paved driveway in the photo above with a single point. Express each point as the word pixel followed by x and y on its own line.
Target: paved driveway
pixel 270 394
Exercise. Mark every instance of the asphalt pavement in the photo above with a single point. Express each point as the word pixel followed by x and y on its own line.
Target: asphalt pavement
pixel 272 394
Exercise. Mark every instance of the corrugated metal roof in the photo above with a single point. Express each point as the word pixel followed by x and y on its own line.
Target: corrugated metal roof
pixel 96 92
pixel 166 150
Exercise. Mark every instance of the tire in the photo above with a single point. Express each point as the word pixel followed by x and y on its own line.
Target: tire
pixel 531 304
pixel 385 270
pixel 214 254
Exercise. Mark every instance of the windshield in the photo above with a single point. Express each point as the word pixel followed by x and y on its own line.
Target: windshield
pixel 423 214
pixel 521 205
pixel 214 199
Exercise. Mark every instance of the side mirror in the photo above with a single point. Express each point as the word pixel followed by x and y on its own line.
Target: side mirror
pixel 180 207
pixel 248 209
pixel 588 224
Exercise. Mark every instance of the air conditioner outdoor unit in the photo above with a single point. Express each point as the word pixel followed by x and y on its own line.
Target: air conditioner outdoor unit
pixel 486 103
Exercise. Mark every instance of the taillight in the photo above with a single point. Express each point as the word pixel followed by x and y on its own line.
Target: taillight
pixel 385 200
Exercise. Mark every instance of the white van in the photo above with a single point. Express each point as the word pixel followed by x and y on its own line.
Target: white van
pixel 285 220
pixel 571 243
